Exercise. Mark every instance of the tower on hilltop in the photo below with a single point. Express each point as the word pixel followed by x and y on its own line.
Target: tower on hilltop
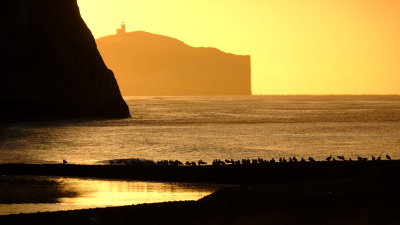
pixel 121 30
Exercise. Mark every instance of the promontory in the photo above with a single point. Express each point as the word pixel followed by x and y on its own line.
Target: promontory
pixel 50 65
pixel 152 64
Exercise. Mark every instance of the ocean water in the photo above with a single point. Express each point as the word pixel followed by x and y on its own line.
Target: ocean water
pixel 207 128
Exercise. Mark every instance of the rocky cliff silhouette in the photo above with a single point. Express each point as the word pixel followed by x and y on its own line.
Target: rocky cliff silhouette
pixel 151 64
pixel 50 65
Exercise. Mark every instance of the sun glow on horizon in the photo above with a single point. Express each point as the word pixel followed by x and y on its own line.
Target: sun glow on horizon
pixel 297 47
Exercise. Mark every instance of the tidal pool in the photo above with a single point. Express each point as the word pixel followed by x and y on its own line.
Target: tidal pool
pixel 94 193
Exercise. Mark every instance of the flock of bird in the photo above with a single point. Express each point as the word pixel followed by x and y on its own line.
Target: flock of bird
pixel 373 158
pixel 292 160
pixel 218 162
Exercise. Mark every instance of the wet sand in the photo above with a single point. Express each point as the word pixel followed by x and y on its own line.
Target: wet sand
pixel 318 193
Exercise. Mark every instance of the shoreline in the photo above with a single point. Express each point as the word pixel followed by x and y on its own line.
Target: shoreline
pixel 289 193
pixel 337 193
pixel 213 174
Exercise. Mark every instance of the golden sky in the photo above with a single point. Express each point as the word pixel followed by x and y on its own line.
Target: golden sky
pixel 297 46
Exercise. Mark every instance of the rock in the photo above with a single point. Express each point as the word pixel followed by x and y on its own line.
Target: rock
pixel 50 65
pixel 151 64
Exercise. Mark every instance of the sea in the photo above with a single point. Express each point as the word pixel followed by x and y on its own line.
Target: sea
pixel 215 127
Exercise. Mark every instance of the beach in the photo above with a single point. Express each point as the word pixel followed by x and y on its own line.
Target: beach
pixel 224 128
pixel 289 193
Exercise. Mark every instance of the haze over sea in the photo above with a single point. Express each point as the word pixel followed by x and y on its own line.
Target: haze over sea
pixel 207 128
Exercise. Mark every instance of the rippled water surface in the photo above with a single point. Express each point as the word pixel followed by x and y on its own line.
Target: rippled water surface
pixel 193 128
pixel 93 193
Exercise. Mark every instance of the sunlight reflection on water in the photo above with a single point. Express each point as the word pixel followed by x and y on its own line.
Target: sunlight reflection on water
pixel 93 193
pixel 208 128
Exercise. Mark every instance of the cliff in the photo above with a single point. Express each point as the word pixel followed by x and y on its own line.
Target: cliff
pixel 150 64
pixel 50 65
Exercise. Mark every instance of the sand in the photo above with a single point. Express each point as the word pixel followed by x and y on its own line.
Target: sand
pixel 357 193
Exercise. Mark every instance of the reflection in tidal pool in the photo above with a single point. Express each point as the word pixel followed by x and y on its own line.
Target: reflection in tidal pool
pixel 94 193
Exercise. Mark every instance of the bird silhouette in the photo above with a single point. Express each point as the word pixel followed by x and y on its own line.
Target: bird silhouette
pixel 388 157
pixel 272 160
pixel 65 161
pixel 341 157
pixel 201 162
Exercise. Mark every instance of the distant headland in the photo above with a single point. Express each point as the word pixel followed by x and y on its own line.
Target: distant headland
pixel 151 64
pixel 50 66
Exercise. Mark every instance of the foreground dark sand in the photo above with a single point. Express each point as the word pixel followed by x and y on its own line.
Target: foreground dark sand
pixel 319 193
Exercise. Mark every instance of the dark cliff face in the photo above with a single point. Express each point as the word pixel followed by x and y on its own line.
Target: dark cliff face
pixel 150 64
pixel 50 65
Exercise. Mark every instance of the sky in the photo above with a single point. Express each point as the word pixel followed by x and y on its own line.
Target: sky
pixel 296 47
